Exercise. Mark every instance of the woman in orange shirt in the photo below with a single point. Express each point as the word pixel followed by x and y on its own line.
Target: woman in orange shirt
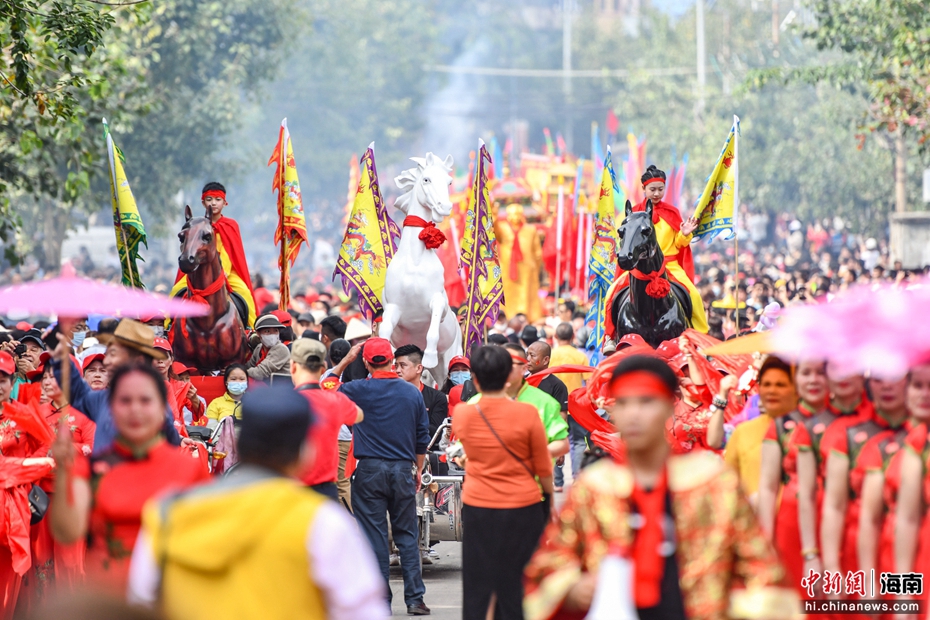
pixel 502 515
pixel 104 496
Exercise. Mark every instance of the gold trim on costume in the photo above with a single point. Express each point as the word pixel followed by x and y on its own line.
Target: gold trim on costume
pixel 546 600
pixel 769 602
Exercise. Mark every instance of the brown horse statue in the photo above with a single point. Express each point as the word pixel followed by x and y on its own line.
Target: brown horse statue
pixel 211 342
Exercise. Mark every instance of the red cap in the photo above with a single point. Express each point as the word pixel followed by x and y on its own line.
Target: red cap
pixel 377 351
pixel 90 359
pixel 631 340
pixel 459 359
pixel 7 365
pixel 23 325
pixel 163 344
pixel 283 316
pixel 181 367
pixel 668 349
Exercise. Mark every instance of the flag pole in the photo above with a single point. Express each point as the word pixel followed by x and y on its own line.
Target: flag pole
pixel 736 213
pixel 283 286
pixel 559 225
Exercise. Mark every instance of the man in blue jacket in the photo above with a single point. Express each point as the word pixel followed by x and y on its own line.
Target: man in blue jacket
pixel 132 342
pixel 390 444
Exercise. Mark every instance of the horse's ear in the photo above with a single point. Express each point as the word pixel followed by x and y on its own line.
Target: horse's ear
pixel 447 162
pixel 187 213
pixel 649 208
pixel 629 208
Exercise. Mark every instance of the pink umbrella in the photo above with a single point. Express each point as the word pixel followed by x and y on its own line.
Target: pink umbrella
pixel 882 330
pixel 76 297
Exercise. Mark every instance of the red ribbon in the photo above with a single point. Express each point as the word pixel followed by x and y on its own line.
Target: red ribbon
pixel 200 295
pixel 658 286
pixel 431 236
pixel 215 193
pixel 653 180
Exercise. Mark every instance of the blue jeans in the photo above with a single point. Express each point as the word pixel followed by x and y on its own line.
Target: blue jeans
pixel 578 436
pixel 380 487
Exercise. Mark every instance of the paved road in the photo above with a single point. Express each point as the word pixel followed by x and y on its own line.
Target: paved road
pixel 444 578
pixel 443 584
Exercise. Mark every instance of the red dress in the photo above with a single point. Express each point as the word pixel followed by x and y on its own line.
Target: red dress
pixel 54 563
pixel 122 483
pixel 882 454
pixel 850 444
pixel 787 534
pixel 687 429
pixel 15 482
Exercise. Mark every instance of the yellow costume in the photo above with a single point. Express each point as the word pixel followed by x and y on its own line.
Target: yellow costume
pixel 521 295
pixel 671 241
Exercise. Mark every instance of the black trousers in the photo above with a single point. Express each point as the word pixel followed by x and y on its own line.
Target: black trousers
pixel 329 489
pixel 497 545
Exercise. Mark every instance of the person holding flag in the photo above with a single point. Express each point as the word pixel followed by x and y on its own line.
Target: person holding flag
pixel 229 246
pixel 674 235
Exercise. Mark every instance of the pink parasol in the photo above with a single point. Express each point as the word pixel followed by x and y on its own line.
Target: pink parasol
pixel 882 330
pixel 78 297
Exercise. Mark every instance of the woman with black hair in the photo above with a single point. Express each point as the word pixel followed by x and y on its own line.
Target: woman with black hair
pixel 674 235
pixel 104 496
pixel 229 404
pixel 502 512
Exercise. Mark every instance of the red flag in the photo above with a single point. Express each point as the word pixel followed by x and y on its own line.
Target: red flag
pixel 613 124
pixel 565 265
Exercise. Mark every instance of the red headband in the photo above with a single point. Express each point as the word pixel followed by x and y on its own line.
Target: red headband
pixel 653 180
pixel 215 193
pixel 518 359
pixel 639 383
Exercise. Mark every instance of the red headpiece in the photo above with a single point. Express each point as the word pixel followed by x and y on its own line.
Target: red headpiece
pixel 639 383
pixel 215 193
pixel 653 180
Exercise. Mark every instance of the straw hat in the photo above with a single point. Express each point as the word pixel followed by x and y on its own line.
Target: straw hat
pixel 134 335
pixel 357 329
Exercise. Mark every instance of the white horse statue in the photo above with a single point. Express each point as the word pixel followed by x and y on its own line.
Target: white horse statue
pixel 416 308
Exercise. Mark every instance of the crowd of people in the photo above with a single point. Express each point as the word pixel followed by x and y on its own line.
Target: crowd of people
pixel 726 486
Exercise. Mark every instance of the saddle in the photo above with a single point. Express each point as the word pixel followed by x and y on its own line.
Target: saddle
pixel 237 300
pixel 679 291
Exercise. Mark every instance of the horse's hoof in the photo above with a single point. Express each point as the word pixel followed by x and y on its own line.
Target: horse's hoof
pixel 430 360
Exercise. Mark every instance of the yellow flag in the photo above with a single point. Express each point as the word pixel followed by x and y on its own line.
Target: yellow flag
pixel 485 289
pixel 126 220
pixel 370 241
pixel 292 226
pixel 718 207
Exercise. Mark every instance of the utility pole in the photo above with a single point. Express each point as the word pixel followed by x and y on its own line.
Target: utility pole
pixel 701 53
pixel 567 7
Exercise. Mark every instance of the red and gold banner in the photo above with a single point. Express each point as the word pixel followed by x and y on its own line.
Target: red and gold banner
pixel 292 225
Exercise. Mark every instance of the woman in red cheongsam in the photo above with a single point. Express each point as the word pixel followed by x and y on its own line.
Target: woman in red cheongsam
pixel 20 467
pixel 911 527
pixel 109 490
pixel 778 486
pixel 55 565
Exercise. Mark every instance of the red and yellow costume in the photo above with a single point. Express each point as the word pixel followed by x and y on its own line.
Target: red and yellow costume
pixel 232 256
pixel 53 563
pixel 687 429
pixel 122 482
pixel 679 263
pixel 787 533
pixel 726 567
pixel 16 444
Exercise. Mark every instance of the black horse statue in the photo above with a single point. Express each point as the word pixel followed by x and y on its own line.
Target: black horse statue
pixel 650 305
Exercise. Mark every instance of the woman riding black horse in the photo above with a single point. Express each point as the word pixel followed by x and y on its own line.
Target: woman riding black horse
pixel 650 305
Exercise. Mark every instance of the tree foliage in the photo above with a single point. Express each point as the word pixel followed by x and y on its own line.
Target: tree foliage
pixel 882 48
pixel 173 78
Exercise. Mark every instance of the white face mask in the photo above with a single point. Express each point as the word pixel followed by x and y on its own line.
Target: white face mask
pixel 269 340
